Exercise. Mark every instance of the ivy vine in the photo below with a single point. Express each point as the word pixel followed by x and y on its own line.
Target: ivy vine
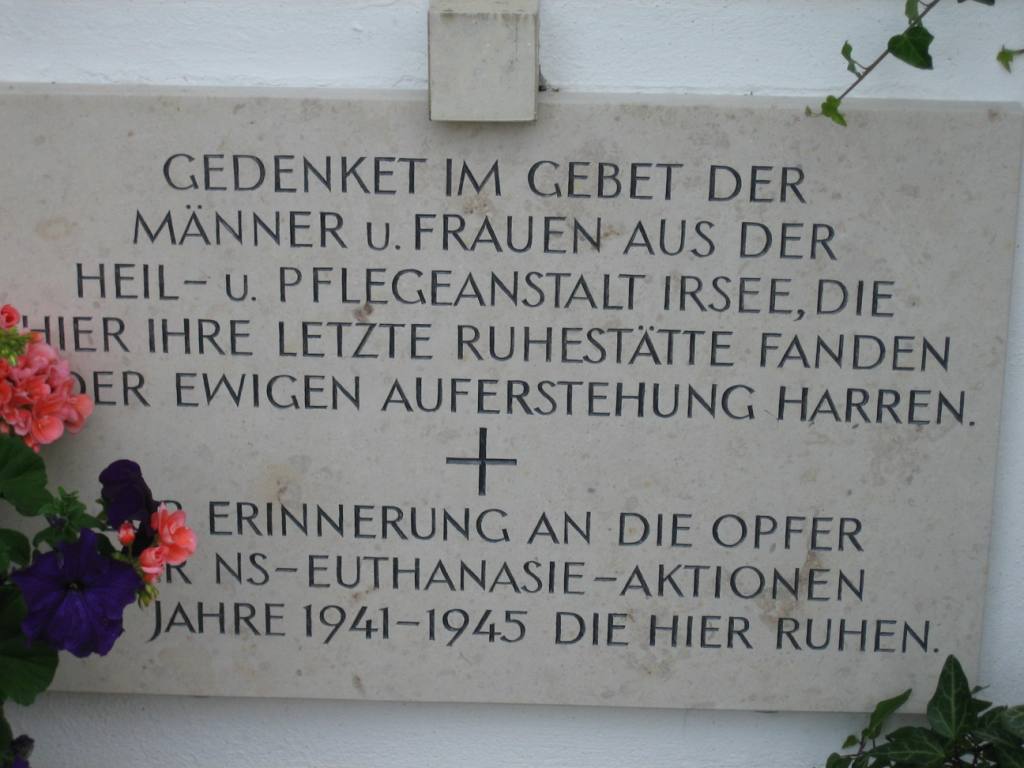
pixel 910 46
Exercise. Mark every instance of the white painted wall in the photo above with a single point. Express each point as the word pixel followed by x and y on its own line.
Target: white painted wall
pixel 716 46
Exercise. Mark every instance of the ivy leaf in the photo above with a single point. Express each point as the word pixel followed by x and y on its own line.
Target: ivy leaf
pixel 851 741
pixel 912 746
pixel 913 11
pixel 984 2
pixel 978 706
pixel 835 760
pixel 1006 746
pixel 851 64
pixel 22 476
pixel 990 716
pixel 950 706
pixel 1013 721
pixel 912 47
pixel 14 547
pixel 830 109
pixel 1006 57
pixel 882 712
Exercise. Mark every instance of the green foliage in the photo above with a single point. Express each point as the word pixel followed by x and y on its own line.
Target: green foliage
pixel 6 739
pixel 67 517
pixel 22 476
pixel 6 736
pixel 26 670
pixel 911 46
pixel 916 746
pixel 14 548
pixel 950 707
pixel 852 65
pixel 1013 721
pixel 830 109
pixel 1006 57
pixel 964 731
pixel 883 711
pixel 12 344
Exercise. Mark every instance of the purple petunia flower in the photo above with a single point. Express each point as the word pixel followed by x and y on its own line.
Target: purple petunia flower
pixel 76 597
pixel 126 494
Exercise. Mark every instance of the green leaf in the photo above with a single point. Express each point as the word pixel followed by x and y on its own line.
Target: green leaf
pixel 830 109
pixel 22 476
pixel 12 610
pixel 6 740
pixel 1006 746
pixel 105 547
pixel 851 64
pixel 912 47
pixel 914 746
pixel 986 719
pixel 14 548
pixel 6 734
pixel 984 2
pixel 67 517
pixel 978 706
pixel 26 670
pixel 835 760
pixel 851 741
pixel 882 712
pixel 950 707
pixel 913 11
pixel 50 536
pixel 1013 721
pixel 1006 57
pixel 88 521
pixel 65 504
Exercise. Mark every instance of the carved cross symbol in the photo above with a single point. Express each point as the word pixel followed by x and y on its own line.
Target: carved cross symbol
pixel 482 460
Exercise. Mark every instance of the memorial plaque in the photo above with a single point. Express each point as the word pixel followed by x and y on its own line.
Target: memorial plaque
pixel 655 402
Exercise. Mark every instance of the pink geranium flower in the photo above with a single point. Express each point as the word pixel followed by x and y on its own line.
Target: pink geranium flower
pixel 177 539
pixel 152 561
pixel 37 392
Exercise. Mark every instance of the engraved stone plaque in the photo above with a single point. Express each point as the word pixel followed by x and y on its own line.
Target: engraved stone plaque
pixel 655 402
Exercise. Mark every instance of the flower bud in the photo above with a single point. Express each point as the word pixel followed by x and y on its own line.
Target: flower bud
pixel 126 533
pixel 9 316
